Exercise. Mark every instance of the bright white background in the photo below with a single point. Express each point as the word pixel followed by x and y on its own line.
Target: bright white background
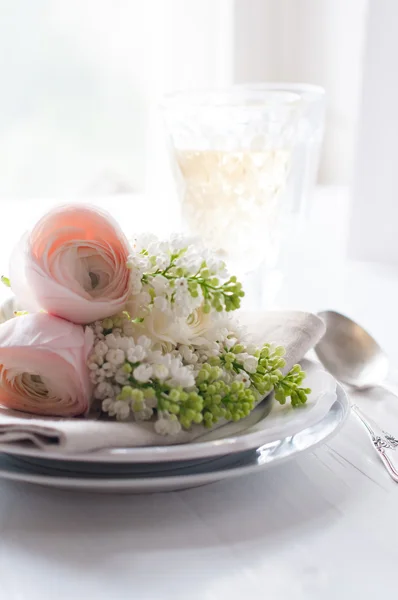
pixel 79 79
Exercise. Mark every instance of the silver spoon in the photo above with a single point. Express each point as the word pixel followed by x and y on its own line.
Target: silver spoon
pixel 351 354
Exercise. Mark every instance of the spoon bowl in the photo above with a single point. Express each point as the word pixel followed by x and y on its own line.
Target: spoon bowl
pixel 350 353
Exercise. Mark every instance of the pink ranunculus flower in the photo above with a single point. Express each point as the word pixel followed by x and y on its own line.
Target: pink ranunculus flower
pixel 43 366
pixel 72 265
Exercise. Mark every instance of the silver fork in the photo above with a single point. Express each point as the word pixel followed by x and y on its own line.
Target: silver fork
pixel 383 442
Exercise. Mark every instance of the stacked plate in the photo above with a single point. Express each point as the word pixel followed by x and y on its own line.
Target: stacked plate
pixel 270 435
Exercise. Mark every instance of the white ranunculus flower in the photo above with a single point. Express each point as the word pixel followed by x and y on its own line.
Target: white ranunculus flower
pixel 204 328
pixel 161 303
pixel 199 328
pixel 160 327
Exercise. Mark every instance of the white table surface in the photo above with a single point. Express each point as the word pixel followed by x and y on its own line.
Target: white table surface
pixel 323 526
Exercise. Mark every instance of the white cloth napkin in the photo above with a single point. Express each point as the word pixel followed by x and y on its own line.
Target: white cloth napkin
pixel 298 332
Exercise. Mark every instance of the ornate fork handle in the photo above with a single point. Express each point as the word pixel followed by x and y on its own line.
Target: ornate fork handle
pixel 383 442
pixel 393 442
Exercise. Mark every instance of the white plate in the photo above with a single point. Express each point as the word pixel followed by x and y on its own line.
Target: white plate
pixel 204 472
pixel 263 425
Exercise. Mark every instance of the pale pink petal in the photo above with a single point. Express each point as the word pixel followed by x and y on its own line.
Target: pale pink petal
pixel 56 351
pixel 18 268
pixel 53 267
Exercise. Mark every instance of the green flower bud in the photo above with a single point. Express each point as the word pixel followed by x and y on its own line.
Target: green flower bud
pixel 174 408
pixel 185 423
pixel 107 323
pixel 137 405
pixel 302 396
pixel 189 414
pixel 238 349
pixel 126 391
pixel 280 351
pixel 174 395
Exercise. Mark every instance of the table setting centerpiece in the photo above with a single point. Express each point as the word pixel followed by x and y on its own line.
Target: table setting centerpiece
pixel 126 361
pixel 135 344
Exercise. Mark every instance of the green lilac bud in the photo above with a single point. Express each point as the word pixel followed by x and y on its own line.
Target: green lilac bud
pixel 137 405
pixel 280 351
pixel 107 323
pixel 185 423
pixel 302 396
pixel 214 361
pixel 174 395
pixel 238 349
pixel 127 391
pixel 174 408
pixel 189 414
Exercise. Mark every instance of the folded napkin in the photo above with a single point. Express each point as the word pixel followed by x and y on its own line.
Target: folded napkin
pixel 298 332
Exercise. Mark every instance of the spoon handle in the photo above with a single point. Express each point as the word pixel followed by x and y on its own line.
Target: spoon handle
pixel 384 443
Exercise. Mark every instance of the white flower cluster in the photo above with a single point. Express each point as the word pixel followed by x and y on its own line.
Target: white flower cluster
pixel 167 278
pixel 111 368
pixel 174 356
pixel 129 371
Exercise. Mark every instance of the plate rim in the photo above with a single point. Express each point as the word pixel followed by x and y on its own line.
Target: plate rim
pixel 152 454
pixel 153 484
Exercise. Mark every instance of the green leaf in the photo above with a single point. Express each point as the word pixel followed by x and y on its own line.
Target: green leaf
pixel 6 281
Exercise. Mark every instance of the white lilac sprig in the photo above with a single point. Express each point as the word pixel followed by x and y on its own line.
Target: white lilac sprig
pixel 179 276
pixel 135 379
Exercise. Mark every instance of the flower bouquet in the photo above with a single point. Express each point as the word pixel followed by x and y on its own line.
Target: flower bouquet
pixel 142 330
